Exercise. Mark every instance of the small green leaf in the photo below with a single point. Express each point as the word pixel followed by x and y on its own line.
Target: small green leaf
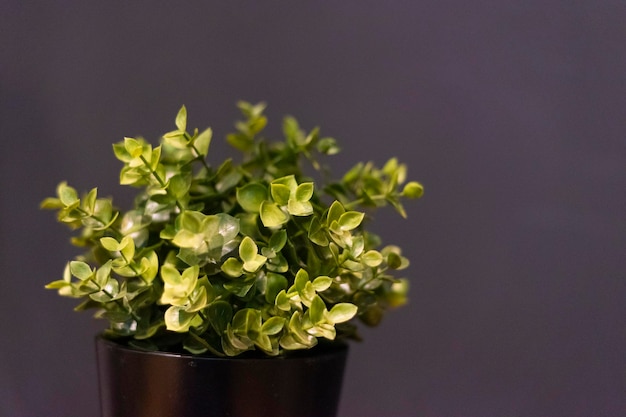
pixel 280 193
pixel 328 146
pixel 248 249
pixel 67 194
pixel 317 234
pixel 322 283
pixel 110 244
pixel 278 240
pixel 250 197
pixel 81 270
pixel 299 208
pixel 272 215
pixel 58 284
pixel 203 141
pixel 342 312
pixel 273 325
pixel 179 185
pixel 240 141
pixel 302 278
pixel 334 212
pixel 413 189
pixel 134 147
pixel 232 267
pixel 170 275
pixel 127 248
pixel 394 261
pixel 178 320
pixel 89 202
pixel 372 258
pixel 220 314
pixel 317 310
pixel 274 285
pixel 350 220
pixel 282 301
pixel 304 192
pixel 181 119
pixel 190 220
pixel 247 321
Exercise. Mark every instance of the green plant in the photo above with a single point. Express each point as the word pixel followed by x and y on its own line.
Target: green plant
pixel 243 256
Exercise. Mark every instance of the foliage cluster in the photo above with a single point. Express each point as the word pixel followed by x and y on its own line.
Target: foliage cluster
pixel 243 256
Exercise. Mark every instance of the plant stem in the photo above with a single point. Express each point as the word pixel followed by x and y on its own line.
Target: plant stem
pixel 199 156
pixel 160 181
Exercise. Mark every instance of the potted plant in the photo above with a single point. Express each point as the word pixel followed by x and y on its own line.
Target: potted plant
pixel 242 272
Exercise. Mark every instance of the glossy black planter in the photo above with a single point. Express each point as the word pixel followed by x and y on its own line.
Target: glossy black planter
pixel 134 383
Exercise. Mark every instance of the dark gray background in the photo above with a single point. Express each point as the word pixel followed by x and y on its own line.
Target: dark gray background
pixel 510 112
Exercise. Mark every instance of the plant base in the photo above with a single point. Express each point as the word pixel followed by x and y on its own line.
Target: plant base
pixel 135 383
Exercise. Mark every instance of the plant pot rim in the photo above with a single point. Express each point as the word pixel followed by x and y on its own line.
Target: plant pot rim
pixel 320 350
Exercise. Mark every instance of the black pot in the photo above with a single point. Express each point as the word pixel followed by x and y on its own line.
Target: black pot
pixel 136 383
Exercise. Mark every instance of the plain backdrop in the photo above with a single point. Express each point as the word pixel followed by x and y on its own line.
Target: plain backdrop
pixel 511 113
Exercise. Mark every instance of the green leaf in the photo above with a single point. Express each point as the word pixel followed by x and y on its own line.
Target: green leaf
pixel 220 314
pixel 304 192
pixel 342 312
pixel 250 197
pixel 280 193
pixel 302 278
pixel 390 166
pixel 372 258
pixel 120 152
pixel 149 266
pixel 67 194
pixel 55 285
pixel 181 119
pixel 413 189
pixel 291 128
pixel 248 249
pixel 328 146
pixel 89 202
pixel 178 320
pixel 350 220
pixel 190 220
pixel 282 301
pixel 170 275
pixel 273 325
pixel 334 212
pixel 240 141
pixel 299 208
pixel 394 261
pixel 110 244
pixel 176 139
pixel 134 147
pixel 247 321
pixel 232 267
pixel 272 215
pixel 51 203
pixel 354 173
pixel 81 270
pixel 187 239
pixel 322 283
pixel 278 240
pixel 198 300
pixel 288 180
pixel 221 224
pixel 275 284
pixel 317 310
pixel 317 234
pixel 203 141
pixel 297 332
pixel 127 248
pixel 179 185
